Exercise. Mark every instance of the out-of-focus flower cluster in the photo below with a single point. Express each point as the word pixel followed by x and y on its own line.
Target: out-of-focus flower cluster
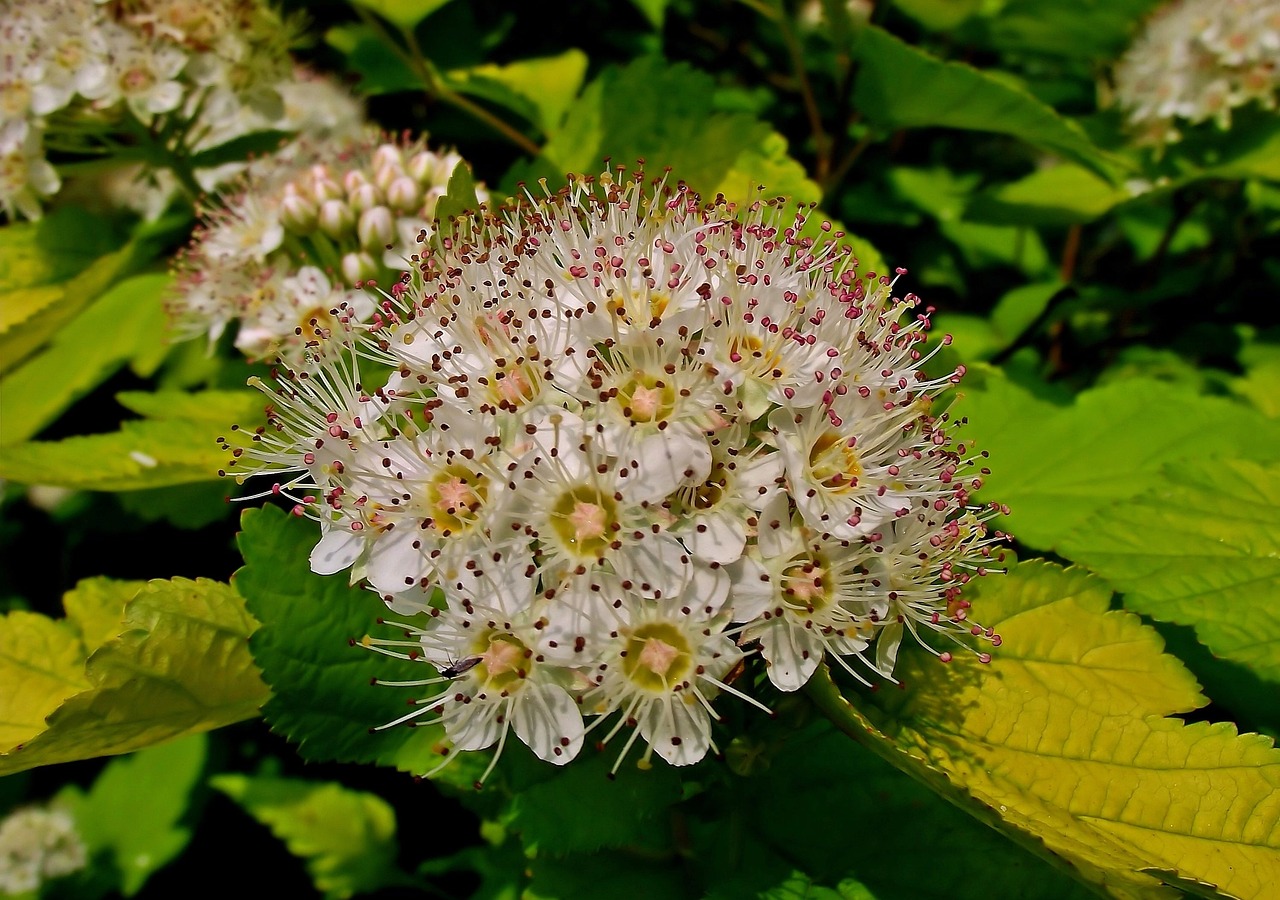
pixel 1198 60
pixel 37 844
pixel 284 246
pixel 155 81
pixel 615 439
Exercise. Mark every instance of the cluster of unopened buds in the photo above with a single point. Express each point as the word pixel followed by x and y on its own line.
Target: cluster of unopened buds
pixel 1197 60
pixel 85 78
pixel 290 241
pixel 603 445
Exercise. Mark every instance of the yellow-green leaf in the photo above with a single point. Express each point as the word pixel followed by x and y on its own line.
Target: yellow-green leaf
pixel 95 606
pixel 1061 737
pixel 404 13
pixel 348 838
pixel 41 664
pixel 125 322
pixel 179 665
pixel 177 446
pixel 540 89
pixel 1055 466
pixel 1201 549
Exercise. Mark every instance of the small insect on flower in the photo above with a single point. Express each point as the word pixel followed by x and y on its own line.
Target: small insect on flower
pixel 460 667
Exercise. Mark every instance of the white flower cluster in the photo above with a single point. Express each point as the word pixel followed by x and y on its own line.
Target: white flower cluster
pixel 92 79
pixel 37 844
pixel 1198 60
pixel 626 439
pixel 268 254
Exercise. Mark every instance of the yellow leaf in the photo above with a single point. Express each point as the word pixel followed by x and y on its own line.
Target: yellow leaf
pixel 1062 737
pixel 41 664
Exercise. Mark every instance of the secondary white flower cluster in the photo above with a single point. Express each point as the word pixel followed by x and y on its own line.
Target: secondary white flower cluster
pixel 1198 60
pixel 37 844
pixel 95 80
pixel 283 247
pixel 626 439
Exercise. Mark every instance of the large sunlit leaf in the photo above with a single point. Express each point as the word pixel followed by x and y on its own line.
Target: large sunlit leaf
pixel 1061 739
pixel 322 696
pixel 1203 549
pixel 138 810
pixel 403 13
pixel 179 664
pixel 125 324
pixel 176 444
pixel 346 837
pixel 669 119
pixel 539 89
pixel 1055 466
pixel 1065 194
pixel 900 86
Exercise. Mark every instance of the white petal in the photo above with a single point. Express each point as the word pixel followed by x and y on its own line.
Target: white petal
pixel 665 458
pixel 887 646
pixel 336 550
pixel 393 558
pixel 750 591
pixel 547 719
pixel 678 731
pixel 793 653
pixel 721 538
pixel 477 727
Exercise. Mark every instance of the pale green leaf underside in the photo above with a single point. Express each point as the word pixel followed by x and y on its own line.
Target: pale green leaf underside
pixel 1200 549
pixel 176 446
pixel 180 664
pixel 1056 466
pixel 1062 735
pixel 348 838
pixel 900 86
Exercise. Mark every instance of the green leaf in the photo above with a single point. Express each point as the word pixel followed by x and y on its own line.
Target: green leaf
pixel 1056 466
pixel 47 658
pixel 125 323
pixel 459 197
pixel 1064 194
pixel 238 149
pixel 1060 739
pixel 1092 31
pixel 179 665
pixel 939 15
pixel 95 608
pixel 402 13
pixel 1260 384
pixel 322 696
pixel 900 86
pixel 54 249
pixel 136 809
pixel 669 119
pixel 800 886
pixel 177 445
pixel 540 89
pixel 654 10
pixel 1202 548
pixel 381 70
pixel 580 809
pixel 348 838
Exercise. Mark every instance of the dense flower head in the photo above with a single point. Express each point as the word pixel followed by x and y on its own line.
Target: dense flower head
pixel 1197 60
pixel 38 844
pixel 287 242
pixel 82 78
pixel 599 446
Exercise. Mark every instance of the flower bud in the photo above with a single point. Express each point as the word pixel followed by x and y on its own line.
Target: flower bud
pixel 365 196
pixel 352 180
pixel 358 267
pixel 385 176
pixel 387 155
pixel 404 195
pixel 426 168
pixel 335 219
pixel 298 213
pixel 376 228
pixel 323 187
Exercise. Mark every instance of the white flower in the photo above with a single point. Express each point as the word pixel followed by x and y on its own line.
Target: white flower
pixel 627 439
pixel 1197 60
pixel 37 844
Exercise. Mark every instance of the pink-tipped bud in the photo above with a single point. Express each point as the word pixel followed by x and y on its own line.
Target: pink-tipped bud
pixel 404 195
pixel 298 213
pixel 376 228
pixel 358 267
pixel 335 219
pixel 365 196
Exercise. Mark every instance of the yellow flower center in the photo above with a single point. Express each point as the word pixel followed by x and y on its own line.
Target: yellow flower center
pixel 658 657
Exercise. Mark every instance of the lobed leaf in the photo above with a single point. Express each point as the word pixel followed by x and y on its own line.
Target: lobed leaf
pixel 1062 735
pixel 178 665
pixel 346 837
pixel 1057 466
pixel 322 696
pixel 540 89
pixel 1202 548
